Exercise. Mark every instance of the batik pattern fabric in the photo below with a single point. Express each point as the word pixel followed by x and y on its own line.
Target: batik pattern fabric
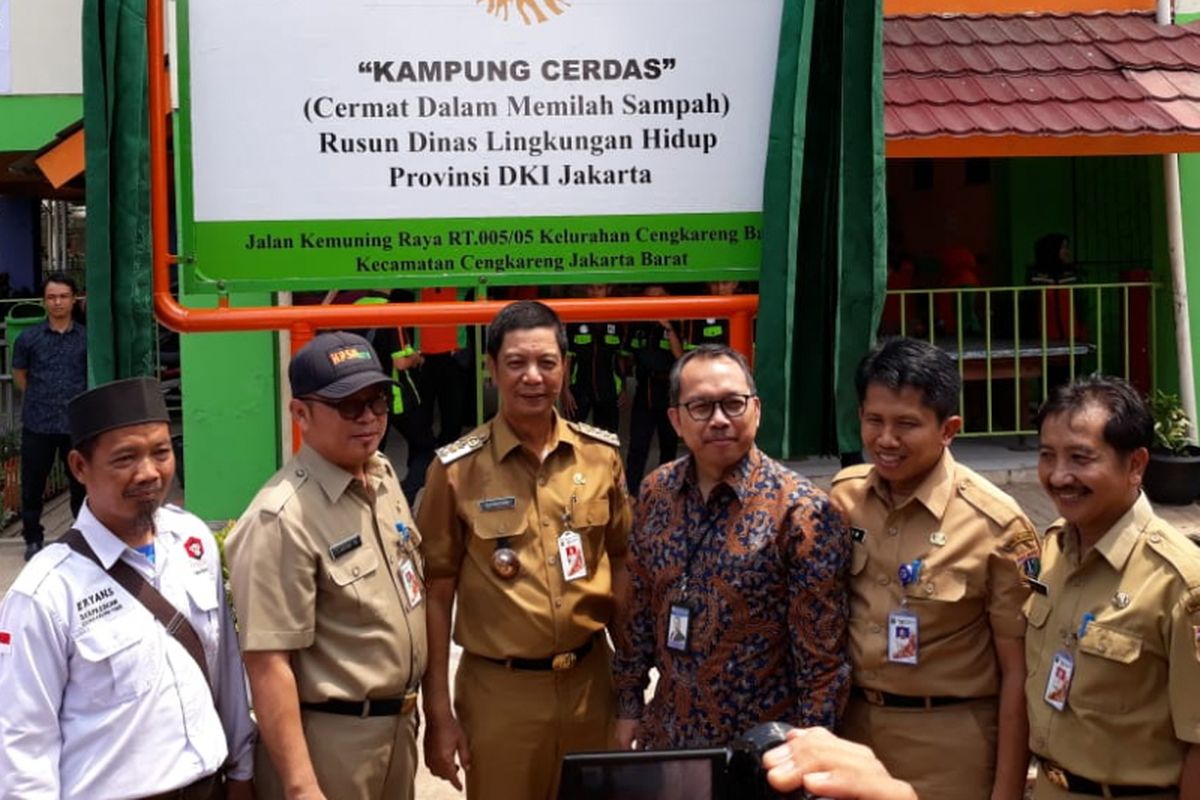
pixel 766 590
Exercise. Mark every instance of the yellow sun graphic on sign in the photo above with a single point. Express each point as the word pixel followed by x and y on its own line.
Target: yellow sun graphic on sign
pixel 531 11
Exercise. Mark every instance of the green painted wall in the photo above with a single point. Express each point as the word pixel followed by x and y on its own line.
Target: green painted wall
pixel 1189 181
pixel 1039 202
pixel 230 414
pixel 31 120
pixel 1112 209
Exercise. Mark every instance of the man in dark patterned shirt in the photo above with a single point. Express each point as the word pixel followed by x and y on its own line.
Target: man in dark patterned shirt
pixel 50 367
pixel 738 569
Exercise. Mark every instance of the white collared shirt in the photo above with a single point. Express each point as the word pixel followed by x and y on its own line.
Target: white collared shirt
pixel 99 700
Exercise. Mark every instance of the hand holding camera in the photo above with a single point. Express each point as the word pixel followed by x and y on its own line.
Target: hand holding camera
pixel 815 760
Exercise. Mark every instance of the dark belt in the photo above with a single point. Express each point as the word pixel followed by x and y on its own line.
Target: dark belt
pixel 889 700
pixel 387 707
pixel 559 661
pixel 207 788
pixel 1077 784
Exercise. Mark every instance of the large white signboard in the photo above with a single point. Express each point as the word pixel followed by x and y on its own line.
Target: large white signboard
pixel 5 48
pixel 333 138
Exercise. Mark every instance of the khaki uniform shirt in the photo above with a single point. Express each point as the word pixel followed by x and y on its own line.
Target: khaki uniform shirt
pixel 485 490
pixel 1133 706
pixel 973 541
pixel 315 569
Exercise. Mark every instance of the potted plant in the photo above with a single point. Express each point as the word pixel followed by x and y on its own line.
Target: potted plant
pixel 1173 474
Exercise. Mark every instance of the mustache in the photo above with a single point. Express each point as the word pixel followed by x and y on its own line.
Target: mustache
pixel 144 491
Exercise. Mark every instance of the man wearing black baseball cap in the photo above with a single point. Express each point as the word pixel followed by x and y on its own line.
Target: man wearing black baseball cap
pixel 328 583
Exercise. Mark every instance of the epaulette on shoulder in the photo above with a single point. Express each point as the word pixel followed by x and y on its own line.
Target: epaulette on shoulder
pixel 1178 551
pixel 275 495
pixel 858 471
pixel 989 501
pixel 39 567
pixel 468 444
pixel 608 437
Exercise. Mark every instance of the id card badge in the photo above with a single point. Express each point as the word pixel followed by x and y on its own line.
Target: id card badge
pixel 410 581
pixel 679 627
pixel 570 556
pixel 903 637
pixel 1058 682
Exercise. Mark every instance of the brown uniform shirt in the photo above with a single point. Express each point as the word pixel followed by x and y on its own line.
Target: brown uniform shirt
pixel 972 540
pixel 1133 706
pixel 315 568
pixel 486 489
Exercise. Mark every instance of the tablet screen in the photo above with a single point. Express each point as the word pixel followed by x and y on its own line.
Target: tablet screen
pixel 643 775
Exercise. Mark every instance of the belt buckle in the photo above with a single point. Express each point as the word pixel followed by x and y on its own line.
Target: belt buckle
pixel 873 696
pixel 410 703
pixel 563 661
pixel 366 709
pixel 1056 775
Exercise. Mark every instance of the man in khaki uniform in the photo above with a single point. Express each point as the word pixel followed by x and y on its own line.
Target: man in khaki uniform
pixel 1113 648
pixel 936 588
pixel 328 584
pixel 525 522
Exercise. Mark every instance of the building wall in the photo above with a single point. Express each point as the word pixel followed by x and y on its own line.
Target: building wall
pixel 1189 179
pixel 46 56
pixel 230 422
pixel 932 206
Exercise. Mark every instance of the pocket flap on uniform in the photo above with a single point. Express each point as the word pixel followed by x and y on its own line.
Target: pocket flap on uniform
pixel 1100 640
pixel 356 566
pixel 944 586
pixel 498 524
pixel 591 513
pixel 203 592
pixel 1036 610
pixel 103 640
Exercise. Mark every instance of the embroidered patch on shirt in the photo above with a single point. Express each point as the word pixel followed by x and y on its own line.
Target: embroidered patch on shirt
pixel 1032 567
pixel 194 547
pixel 5 643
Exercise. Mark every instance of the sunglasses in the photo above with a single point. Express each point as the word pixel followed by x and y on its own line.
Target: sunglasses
pixel 351 408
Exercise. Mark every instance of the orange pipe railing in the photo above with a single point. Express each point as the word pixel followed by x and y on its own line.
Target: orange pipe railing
pixel 304 320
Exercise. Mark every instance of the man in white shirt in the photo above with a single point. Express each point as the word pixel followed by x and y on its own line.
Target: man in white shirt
pixel 100 701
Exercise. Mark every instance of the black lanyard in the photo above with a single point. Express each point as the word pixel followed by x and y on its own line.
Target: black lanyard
pixel 691 556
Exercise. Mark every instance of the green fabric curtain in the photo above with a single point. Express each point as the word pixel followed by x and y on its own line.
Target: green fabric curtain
pixel 120 315
pixel 824 226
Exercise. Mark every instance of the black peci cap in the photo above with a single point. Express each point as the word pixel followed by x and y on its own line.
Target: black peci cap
pixel 119 404
pixel 335 365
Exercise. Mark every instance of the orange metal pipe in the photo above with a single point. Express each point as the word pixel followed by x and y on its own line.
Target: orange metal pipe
pixel 739 308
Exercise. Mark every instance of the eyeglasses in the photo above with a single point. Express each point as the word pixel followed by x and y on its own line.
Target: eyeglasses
pixel 732 406
pixel 351 408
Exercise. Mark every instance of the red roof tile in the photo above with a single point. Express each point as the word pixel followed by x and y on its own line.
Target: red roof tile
pixel 1040 75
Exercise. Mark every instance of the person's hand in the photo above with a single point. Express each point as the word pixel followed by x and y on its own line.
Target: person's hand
pixel 624 734
pixel 444 741
pixel 569 406
pixel 821 763
pixel 239 790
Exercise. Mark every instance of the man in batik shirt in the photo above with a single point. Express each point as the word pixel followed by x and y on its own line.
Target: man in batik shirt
pixel 738 570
